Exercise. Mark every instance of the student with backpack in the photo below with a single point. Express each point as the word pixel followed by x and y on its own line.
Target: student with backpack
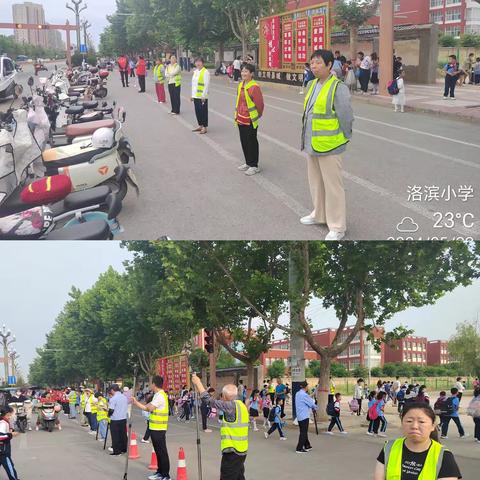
pixel 397 90
pixel 440 407
pixel 422 395
pixel 253 406
pixel 333 409
pixel 451 406
pixel 6 435
pixel 473 410
pixel 266 407
pixel 277 422
pixel 370 404
pixel 377 414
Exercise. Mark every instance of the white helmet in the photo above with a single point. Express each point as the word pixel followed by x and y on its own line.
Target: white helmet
pixel 103 138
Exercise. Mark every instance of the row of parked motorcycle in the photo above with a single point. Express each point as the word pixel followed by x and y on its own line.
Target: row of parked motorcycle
pixel 65 164
pixel 47 415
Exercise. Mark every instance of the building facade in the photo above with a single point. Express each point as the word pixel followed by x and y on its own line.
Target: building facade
pixel 29 12
pixel 55 40
pixel 437 353
pixel 411 350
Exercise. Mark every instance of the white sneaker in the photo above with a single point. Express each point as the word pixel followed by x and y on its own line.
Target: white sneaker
pixel 283 438
pixel 101 439
pixel 145 441
pixel 60 427
pixel 207 430
pixel 381 435
pixel 344 433
pixel 243 167
pixel 309 220
pixel 444 437
pixel 91 432
pixel 300 93
pixel 445 98
pixel 334 236
pixel 37 428
pixel 452 98
pixel 255 429
pixel 252 171
pixel 266 435
pixel 328 433
pixel 110 449
pixel 155 476
pixel 369 433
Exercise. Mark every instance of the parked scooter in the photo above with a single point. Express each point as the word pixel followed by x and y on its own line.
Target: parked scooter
pixel 20 414
pixel 48 416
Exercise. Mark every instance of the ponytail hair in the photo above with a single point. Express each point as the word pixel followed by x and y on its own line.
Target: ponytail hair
pixel 428 412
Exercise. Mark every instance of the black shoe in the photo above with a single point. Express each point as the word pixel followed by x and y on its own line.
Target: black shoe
pixel 301 451
pixel 308 449
pixel 115 454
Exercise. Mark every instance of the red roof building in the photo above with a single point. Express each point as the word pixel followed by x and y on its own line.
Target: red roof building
pixel 411 349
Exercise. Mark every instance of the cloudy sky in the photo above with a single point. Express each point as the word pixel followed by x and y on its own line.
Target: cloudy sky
pixel 55 12
pixel 35 278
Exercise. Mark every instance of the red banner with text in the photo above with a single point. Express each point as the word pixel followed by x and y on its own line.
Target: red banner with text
pixel 271 32
pixel 174 371
pixel 288 42
pixel 318 32
pixel 302 40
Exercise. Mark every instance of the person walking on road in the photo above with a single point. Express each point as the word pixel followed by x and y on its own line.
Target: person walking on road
pixel 335 415
pixel 205 411
pixel 452 72
pixel 117 411
pixel 159 76
pixel 399 99
pixel 83 418
pixel 131 68
pixel 174 78
pixel 327 128
pixel 237 69
pixel 249 109
pixel 72 401
pixel 460 387
pixel 141 73
pixel 158 426
pixel 233 432
pixel 6 435
pixel 452 415
pixel 358 394
pixel 200 84
pixel 123 67
pixel 277 422
pixel 303 404
pixel 417 454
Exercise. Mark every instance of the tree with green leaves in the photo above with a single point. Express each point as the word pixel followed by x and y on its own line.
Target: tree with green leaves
pixel 276 369
pixel 351 15
pixel 464 347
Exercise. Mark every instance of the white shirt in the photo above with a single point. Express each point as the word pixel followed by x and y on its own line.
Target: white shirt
pixel 366 63
pixel 237 64
pixel 460 386
pixel 158 400
pixel 206 81
pixel 172 71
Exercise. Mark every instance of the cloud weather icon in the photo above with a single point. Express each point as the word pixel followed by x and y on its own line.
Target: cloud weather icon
pixel 407 225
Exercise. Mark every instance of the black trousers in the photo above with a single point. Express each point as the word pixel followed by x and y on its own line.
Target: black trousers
pixel 249 141
pixel 450 84
pixel 124 77
pixel 118 431
pixel 477 428
pixel 147 433
pixel 204 412
pixel 141 82
pixel 201 111
pixel 132 72
pixel 237 74
pixel 359 400
pixel 7 463
pixel 303 441
pixel 364 79
pixel 232 466
pixel 174 97
pixel 159 442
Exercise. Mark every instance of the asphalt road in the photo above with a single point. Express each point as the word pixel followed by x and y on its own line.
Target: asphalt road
pixel 191 189
pixel 75 455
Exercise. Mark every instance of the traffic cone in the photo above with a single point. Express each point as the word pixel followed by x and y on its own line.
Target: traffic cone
pixel 182 466
pixel 133 450
pixel 153 461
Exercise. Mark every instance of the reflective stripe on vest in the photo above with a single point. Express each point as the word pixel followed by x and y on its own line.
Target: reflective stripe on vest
pixel 201 83
pixel 82 401
pixel 326 132
pixel 393 460
pixel 252 109
pixel 235 434
pixel 158 419
pixel 102 409
pixel 72 399
pixel 157 72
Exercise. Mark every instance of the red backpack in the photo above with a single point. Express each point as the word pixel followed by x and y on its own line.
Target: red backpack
pixel 372 411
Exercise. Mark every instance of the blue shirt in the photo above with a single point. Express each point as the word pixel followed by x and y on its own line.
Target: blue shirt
pixel 280 391
pixel 456 404
pixel 380 404
pixel 119 404
pixel 277 419
pixel 303 404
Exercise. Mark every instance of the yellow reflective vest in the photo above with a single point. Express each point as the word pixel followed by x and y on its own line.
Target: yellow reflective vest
pixel 252 109
pixel 102 413
pixel 235 434
pixel 326 132
pixel 82 401
pixel 157 72
pixel 72 398
pixel 158 419
pixel 393 460
pixel 201 83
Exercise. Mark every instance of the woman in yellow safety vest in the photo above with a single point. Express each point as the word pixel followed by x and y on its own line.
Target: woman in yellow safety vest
pixel 248 111
pixel 417 455
pixel 174 77
pixel 327 128
pixel 159 76
pixel 102 416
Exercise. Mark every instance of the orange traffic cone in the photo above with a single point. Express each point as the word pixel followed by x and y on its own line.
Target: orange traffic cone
pixel 133 450
pixel 153 461
pixel 182 466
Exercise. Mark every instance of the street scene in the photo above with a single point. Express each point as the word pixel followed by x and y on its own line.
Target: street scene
pixel 114 337
pixel 408 162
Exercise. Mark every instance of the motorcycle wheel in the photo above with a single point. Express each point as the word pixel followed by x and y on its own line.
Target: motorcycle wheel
pixel 120 189
pixel 22 426
pixel 102 92
pixel 50 427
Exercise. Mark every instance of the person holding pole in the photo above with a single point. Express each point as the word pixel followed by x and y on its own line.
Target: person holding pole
pixel 158 425
pixel 234 429
pixel 117 411
pixel 303 404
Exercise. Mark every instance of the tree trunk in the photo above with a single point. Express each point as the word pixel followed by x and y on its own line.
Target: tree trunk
pixel 353 42
pixel 244 47
pixel 221 51
pixel 324 382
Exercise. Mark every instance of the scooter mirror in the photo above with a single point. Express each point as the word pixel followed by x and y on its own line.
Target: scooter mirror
pixel 124 116
pixel 30 82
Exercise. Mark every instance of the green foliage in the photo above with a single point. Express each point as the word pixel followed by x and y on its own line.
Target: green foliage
pixel 404 370
pixel 464 346
pixel 338 370
pixel 470 40
pixel 376 372
pixel 356 13
pixel 447 41
pixel 225 360
pixel 77 59
pixel 12 49
pixel 361 372
pixel 276 369
pixel 198 359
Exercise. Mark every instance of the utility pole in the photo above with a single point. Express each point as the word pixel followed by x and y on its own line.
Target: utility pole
pixel 6 334
pixel 77 9
pixel 386 44
pixel 14 355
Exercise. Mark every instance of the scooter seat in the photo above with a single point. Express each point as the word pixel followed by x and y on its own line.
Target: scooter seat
pixel 58 157
pixel 89 105
pixel 77 200
pixel 80 89
pixel 75 110
pixel 82 129
pixel 71 93
pixel 105 110
pixel 96 230
pixel 93 116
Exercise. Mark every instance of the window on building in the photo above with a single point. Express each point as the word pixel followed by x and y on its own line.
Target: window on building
pixel 452 2
pixel 472 14
pixel 473 29
pixel 436 3
pixel 396 5
pixel 453 15
pixel 454 31
pixel 436 17
pixel 354 350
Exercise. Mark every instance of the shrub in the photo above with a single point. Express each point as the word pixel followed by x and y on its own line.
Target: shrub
pixel 447 41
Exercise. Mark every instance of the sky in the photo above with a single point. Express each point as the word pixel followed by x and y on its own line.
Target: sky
pixel 35 278
pixel 55 12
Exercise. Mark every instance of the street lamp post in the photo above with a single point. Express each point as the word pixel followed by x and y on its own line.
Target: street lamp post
pixel 13 355
pixel 6 334
pixel 77 9
pixel 85 25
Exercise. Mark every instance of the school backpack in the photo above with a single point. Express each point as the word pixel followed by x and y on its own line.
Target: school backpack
pixel 271 415
pixel 372 411
pixel 331 409
pixel 353 404
pixel 401 395
pixel 444 406
pixel 392 87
